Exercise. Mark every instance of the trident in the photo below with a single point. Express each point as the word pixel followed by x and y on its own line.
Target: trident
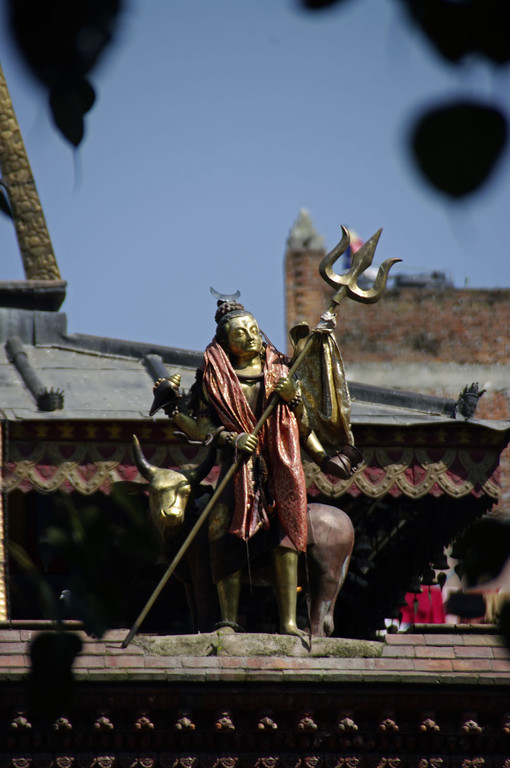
pixel 347 285
pixel 360 261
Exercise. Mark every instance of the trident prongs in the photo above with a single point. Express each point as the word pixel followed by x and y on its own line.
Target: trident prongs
pixel 348 284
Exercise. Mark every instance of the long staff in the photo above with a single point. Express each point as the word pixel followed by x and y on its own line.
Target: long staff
pixel 347 286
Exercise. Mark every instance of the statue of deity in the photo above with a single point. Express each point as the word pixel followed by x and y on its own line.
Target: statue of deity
pixel 262 511
pixel 247 400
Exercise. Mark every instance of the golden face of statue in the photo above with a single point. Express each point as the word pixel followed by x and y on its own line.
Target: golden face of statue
pixel 244 341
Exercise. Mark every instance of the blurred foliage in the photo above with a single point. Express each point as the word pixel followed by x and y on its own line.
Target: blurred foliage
pixel 456 146
pixel 455 28
pixel 62 41
pixel 483 552
pixel 46 597
pixel 100 548
pixel 459 28
pixel 50 683
pixel 316 5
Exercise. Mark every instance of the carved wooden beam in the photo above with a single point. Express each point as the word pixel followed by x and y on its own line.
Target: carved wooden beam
pixel 39 262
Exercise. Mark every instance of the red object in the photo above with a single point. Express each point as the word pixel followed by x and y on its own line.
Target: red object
pixel 424 608
pixel 278 441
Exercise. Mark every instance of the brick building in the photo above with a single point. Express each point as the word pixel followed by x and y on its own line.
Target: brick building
pixel 433 340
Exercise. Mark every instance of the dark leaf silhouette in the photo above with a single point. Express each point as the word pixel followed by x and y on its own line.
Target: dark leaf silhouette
pixel 484 550
pixel 101 552
pixel 317 5
pixel 59 39
pixel 46 597
pixel 457 146
pixel 464 27
pixel 61 42
pixel 68 104
pixel 466 604
pixel 50 683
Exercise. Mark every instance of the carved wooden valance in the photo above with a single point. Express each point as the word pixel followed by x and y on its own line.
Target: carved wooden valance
pixel 414 472
pixel 48 466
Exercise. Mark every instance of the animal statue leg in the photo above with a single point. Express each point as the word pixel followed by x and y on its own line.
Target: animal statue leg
pixel 285 573
pixel 324 589
pixel 331 537
pixel 229 592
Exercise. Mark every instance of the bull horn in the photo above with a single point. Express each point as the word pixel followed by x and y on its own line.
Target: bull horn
pixel 146 470
pixel 199 473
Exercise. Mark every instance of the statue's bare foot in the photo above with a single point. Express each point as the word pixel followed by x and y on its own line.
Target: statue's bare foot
pixel 292 629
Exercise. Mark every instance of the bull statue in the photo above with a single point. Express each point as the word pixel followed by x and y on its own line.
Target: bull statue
pixel 172 499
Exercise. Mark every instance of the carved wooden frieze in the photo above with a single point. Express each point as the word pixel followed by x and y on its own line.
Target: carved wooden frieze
pixel 224 727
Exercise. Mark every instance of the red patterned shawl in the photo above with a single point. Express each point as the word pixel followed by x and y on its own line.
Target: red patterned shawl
pixel 278 442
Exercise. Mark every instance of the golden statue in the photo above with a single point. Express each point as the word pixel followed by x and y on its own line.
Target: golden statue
pixel 264 507
pixel 247 401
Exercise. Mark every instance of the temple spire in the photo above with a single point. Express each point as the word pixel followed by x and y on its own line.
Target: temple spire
pixel 303 236
pixel 304 287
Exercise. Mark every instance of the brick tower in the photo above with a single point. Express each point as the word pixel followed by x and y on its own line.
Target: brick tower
pixel 304 288
pixel 432 339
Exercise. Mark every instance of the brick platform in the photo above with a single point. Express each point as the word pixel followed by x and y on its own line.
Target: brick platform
pixel 404 658
pixel 424 700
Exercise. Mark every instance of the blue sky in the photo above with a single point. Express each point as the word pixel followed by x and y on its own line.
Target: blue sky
pixel 216 121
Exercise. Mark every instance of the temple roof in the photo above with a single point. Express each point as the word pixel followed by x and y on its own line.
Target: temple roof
pixel 99 378
pixel 104 378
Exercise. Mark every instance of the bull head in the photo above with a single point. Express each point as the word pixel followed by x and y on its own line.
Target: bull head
pixel 169 490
